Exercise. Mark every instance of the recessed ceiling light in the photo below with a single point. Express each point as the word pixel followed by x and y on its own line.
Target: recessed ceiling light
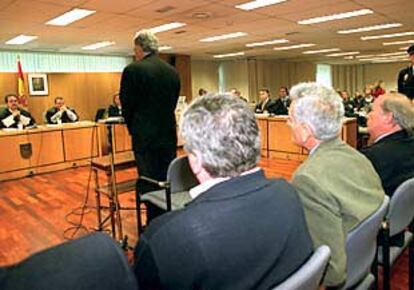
pixel 399 42
pixel 98 45
pixel 404 48
pixel 70 16
pixel 164 47
pixel 21 39
pixel 321 51
pixel 343 53
pixel 303 45
pixel 223 36
pixel 370 28
pixel 228 54
pixel 336 16
pixel 349 57
pixel 399 53
pixel 166 27
pixel 387 35
pixel 258 4
pixel 268 42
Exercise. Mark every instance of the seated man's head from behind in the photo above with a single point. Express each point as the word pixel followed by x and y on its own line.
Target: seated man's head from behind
pixel 315 115
pixel 390 113
pixel 221 136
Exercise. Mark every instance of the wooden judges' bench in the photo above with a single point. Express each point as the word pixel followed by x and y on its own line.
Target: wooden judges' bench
pixel 52 148
pixel 277 138
pixel 46 148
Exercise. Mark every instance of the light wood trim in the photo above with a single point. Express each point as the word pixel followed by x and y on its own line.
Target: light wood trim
pixel 10 152
pixel 47 148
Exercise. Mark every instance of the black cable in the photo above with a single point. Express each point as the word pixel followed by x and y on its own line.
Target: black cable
pixel 82 210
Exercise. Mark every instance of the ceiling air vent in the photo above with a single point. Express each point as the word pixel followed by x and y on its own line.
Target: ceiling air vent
pixel 165 9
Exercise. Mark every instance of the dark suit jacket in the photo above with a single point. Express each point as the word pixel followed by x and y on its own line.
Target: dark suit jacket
pixel 114 111
pixel 393 159
pixel 406 82
pixel 149 94
pixel 270 106
pixel 278 108
pixel 93 262
pixel 5 113
pixel 248 232
pixel 65 118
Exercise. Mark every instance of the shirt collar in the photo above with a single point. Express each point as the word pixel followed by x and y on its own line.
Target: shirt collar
pixel 203 187
pixel 383 136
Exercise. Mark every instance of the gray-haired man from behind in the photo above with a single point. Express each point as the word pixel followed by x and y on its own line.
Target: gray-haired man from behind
pixel 149 92
pixel 338 186
pixel 241 230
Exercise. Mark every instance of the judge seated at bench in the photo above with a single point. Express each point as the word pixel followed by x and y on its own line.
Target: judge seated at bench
pixel 266 104
pixel 13 116
pixel 60 113
pixel 115 109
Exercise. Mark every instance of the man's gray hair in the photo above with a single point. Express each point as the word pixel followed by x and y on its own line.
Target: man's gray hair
pixel 147 40
pixel 223 129
pixel 320 107
pixel 401 108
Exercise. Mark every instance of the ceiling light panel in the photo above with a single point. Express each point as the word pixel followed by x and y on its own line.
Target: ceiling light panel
pixel 343 53
pixel 166 27
pixel 70 17
pixel 334 17
pixel 164 47
pixel 269 42
pixel 224 36
pixel 258 4
pixel 401 34
pixel 399 42
pixel 370 28
pixel 21 39
pixel 98 45
pixel 321 51
pixel 228 54
pixel 296 46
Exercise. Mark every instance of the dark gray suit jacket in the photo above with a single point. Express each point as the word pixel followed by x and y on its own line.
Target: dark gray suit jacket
pixel 245 233
pixel 149 93
pixel 393 159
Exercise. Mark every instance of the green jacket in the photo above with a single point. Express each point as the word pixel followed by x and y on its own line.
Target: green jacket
pixel 339 188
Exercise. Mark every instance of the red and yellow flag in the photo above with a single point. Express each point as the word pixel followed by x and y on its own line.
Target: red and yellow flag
pixel 20 85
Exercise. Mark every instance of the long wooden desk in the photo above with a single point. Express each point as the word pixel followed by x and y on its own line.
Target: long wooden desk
pixel 46 148
pixel 276 138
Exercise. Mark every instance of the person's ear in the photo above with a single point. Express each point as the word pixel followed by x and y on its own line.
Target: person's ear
pixel 194 158
pixel 305 132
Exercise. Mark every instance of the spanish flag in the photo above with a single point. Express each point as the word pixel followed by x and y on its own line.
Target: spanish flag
pixel 20 85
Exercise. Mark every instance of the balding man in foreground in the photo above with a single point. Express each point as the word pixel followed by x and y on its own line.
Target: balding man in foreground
pixel 390 125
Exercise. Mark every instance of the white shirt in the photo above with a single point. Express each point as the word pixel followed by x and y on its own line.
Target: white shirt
pixel 203 187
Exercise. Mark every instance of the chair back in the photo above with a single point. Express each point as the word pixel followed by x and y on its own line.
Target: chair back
pixel 309 275
pixel 361 245
pixel 401 212
pixel 180 176
pixel 100 114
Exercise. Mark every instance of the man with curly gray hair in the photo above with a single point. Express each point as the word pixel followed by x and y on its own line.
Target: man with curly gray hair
pixel 237 218
pixel 390 125
pixel 149 92
pixel 338 186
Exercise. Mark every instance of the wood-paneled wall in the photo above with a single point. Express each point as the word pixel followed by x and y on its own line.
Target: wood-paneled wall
pixel 85 92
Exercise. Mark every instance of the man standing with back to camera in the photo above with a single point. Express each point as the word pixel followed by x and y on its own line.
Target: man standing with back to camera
pixel 149 92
